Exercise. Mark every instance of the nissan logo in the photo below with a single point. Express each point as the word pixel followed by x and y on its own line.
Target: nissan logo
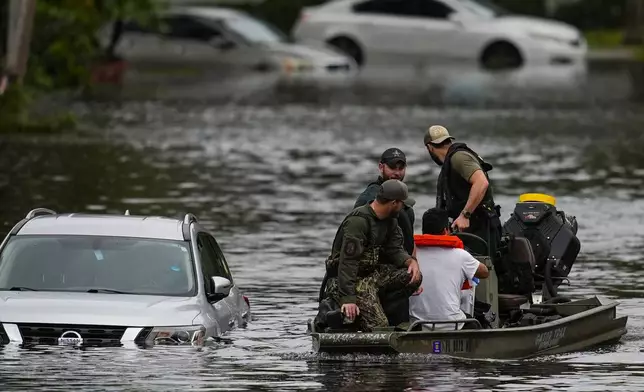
pixel 76 334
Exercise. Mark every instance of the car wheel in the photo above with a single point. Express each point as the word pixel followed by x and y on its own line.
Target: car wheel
pixel 501 55
pixel 349 47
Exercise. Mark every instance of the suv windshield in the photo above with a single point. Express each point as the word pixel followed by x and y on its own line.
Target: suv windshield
pixel 97 264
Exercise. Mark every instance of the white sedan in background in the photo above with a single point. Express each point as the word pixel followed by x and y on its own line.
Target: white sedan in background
pixel 208 43
pixel 439 31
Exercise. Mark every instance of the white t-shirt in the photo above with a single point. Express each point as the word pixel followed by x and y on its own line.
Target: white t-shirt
pixel 444 271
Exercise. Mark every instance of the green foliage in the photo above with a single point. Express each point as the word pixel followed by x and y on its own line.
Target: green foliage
pixel 640 53
pixel 594 14
pixel 13 105
pixel 65 47
pixel 605 38
pixel 17 116
pixel 65 42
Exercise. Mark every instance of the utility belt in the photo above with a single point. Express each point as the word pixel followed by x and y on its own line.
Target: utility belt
pixel 491 212
pixel 365 267
pixel 485 211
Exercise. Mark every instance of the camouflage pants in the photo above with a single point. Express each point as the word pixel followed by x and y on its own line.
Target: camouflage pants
pixel 369 289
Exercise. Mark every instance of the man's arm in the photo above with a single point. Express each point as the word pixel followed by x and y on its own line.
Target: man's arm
pixel 395 251
pixel 477 192
pixel 470 169
pixel 394 248
pixel 482 272
pixel 367 196
pixel 472 268
pixel 354 240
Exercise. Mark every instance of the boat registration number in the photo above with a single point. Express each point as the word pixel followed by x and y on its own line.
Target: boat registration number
pixel 451 346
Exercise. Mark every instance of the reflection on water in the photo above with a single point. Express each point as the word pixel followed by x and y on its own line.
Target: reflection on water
pixel 273 183
pixel 406 83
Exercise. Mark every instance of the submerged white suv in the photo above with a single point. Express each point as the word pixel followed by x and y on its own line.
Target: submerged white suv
pixel 115 280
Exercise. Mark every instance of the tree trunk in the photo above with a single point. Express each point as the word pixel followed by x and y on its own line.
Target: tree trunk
pixel 634 34
pixel 21 18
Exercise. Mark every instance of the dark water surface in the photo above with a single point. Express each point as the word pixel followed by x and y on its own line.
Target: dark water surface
pixel 274 181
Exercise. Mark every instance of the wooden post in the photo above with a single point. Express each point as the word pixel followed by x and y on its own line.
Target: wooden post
pixel 634 34
pixel 20 26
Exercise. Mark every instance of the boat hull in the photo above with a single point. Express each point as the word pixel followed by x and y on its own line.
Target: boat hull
pixel 585 323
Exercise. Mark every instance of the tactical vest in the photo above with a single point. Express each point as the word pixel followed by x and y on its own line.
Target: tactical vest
pixel 453 190
pixel 371 253
pixel 405 221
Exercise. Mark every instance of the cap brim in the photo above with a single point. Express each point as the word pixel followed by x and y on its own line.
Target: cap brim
pixel 441 139
pixel 394 160
pixel 409 202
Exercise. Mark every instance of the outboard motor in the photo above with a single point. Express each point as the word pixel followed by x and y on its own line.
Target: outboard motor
pixel 552 235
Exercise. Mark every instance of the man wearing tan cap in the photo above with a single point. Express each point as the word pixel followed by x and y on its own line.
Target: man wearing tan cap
pixel 463 187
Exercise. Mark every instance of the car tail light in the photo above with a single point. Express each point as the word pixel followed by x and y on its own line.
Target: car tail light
pixel 247 300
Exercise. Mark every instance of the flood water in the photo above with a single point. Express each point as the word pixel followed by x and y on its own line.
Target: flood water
pixel 273 181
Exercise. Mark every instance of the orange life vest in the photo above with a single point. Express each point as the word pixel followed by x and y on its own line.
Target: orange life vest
pixel 447 241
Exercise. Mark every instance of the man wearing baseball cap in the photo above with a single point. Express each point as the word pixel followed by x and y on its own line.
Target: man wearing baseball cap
pixel 392 165
pixel 463 187
pixel 368 239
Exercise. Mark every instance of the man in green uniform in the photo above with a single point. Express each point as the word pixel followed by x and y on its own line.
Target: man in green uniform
pixel 463 187
pixel 368 239
pixel 392 165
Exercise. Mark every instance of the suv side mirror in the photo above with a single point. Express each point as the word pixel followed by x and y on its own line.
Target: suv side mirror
pixel 222 289
pixel 222 285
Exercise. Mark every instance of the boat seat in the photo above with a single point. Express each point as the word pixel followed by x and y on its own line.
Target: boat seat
pixel 474 244
pixel 521 252
pixel 508 302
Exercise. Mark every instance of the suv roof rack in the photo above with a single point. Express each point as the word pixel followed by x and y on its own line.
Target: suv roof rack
pixel 30 215
pixel 187 220
pixel 39 211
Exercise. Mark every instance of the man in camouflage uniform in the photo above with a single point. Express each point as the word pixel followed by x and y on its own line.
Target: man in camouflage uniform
pixel 368 239
pixel 393 165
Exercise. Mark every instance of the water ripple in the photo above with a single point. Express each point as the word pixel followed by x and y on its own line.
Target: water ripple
pixel 273 183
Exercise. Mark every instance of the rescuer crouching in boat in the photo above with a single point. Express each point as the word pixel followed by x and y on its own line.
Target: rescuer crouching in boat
pixel 445 266
pixel 367 259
